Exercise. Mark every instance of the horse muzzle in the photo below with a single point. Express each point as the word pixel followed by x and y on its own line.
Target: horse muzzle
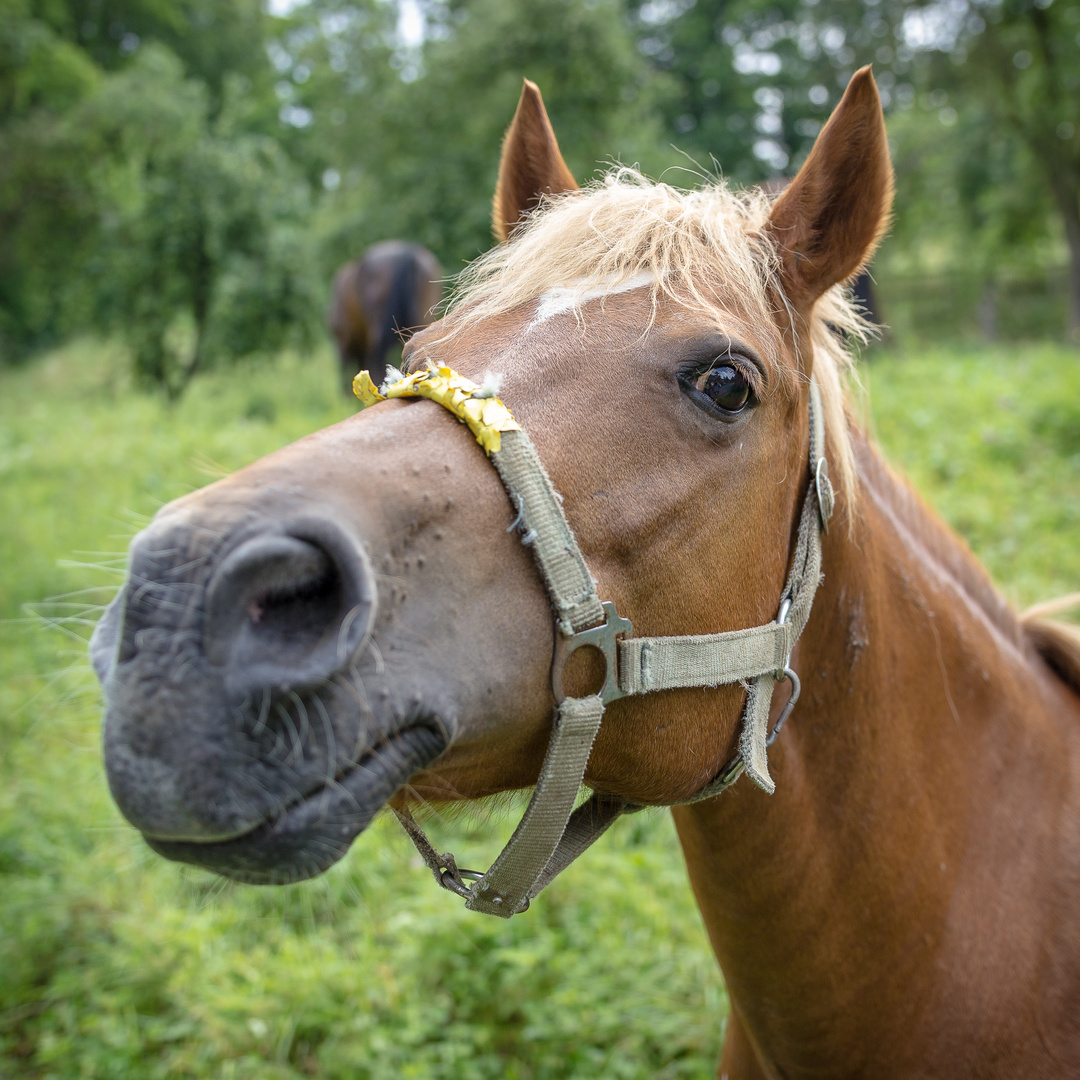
pixel 240 731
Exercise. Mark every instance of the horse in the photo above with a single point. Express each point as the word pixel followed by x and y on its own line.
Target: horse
pixel 862 286
pixel 379 300
pixel 365 618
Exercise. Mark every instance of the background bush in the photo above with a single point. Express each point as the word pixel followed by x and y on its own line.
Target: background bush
pixel 170 168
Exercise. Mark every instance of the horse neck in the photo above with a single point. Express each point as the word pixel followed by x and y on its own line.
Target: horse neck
pixel 825 901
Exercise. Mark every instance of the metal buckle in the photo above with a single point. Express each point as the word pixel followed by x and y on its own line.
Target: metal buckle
pixel 453 880
pixel 826 496
pixel 785 607
pixel 604 637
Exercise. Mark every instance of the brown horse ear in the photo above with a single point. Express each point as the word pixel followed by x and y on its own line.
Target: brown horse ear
pixel 531 164
pixel 829 219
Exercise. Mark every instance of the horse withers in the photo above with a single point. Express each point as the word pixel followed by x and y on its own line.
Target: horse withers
pixel 380 300
pixel 354 620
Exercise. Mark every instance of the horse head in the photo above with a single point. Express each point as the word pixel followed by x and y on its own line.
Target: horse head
pixel 354 619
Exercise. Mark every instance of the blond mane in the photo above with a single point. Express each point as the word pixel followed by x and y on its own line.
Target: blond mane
pixel 703 248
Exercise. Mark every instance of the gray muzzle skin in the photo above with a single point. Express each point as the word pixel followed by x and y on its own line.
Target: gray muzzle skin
pixel 244 653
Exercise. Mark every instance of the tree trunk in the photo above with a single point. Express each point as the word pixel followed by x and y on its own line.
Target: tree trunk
pixel 1059 163
pixel 1069 204
pixel 201 292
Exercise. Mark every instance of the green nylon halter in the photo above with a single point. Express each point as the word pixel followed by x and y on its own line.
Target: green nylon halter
pixel 552 833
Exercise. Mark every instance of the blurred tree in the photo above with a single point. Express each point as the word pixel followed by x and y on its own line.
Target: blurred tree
pixel 213 38
pixel 750 82
pixel 202 253
pixel 136 141
pixel 38 67
pixel 1016 65
pixel 43 213
pixel 985 97
pixel 176 142
pixel 416 128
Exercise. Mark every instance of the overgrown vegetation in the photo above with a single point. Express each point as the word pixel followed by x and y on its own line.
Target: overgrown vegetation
pixel 116 964
pixel 188 173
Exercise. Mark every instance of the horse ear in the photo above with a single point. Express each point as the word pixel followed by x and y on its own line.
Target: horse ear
pixel 829 219
pixel 531 164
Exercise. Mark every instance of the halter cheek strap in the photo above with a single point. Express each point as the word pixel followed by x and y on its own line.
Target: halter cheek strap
pixel 552 833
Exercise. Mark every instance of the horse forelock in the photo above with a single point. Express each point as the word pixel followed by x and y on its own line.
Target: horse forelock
pixel 701 248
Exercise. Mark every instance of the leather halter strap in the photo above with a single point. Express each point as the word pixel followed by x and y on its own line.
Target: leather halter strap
pixel 552 833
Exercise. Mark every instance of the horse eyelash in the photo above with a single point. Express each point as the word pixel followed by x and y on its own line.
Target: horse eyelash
pixel 750 371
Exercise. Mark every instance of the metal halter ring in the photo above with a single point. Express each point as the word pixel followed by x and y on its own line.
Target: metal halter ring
pixel 605 638
pixel 783 673
pixel 451 878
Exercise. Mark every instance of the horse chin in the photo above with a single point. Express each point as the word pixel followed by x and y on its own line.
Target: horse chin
pixel 314 833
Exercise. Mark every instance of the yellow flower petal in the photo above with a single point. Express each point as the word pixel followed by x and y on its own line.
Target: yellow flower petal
pixel 486 417
pixel 366 390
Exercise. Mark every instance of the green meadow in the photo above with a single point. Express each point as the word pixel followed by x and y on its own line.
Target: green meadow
pixel 116 964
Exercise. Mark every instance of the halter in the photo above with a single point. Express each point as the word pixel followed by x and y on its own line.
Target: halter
pixel 552 833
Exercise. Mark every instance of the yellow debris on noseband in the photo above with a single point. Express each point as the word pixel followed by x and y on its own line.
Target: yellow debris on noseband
pixel 485 415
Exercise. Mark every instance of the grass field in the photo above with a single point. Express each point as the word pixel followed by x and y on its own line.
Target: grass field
pixel 115 964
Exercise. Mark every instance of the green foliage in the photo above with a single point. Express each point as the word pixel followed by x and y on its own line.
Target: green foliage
pixel 739 79
pixel 981 98
pixel 44 211
pixel 213 38
pixel 424 147
pixel 189 173
pixel 987 150
pixel 137 175
pixel 991 437
pixel 204 225
pixel 38 67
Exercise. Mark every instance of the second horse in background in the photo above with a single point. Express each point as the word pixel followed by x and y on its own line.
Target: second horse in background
pixel 380 300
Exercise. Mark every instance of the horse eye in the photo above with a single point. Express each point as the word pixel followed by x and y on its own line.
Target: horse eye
pixel 726 387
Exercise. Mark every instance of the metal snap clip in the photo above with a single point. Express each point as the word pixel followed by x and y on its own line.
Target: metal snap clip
pixel 796 689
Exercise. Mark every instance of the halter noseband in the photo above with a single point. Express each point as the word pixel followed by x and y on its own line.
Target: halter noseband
pixel 552 833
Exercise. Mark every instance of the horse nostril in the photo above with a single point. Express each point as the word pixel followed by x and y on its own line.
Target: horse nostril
pixel 285 610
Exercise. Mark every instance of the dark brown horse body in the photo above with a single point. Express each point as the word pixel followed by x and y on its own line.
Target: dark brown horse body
pixel 350 619
pixel 380 300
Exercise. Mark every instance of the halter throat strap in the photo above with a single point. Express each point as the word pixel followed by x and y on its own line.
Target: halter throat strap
pixel 552 833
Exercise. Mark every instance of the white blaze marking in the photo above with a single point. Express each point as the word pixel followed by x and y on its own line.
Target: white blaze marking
pixel 566 297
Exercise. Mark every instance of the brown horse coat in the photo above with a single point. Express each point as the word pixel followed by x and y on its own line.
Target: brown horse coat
pixel 381 299
pixel 351 618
